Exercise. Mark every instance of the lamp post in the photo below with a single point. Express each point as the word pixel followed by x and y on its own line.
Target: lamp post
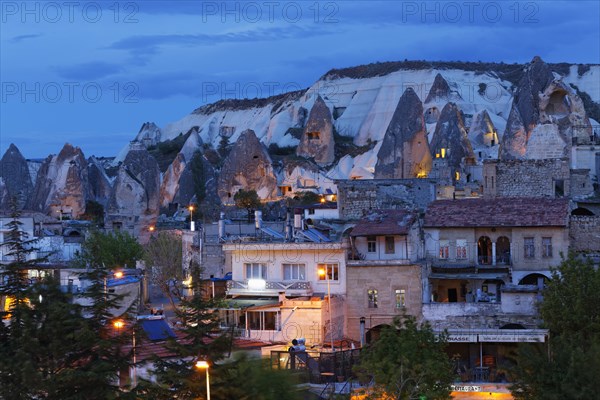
pixel 323 272
pixel 204 365
pixel 119 324
pixel 192 225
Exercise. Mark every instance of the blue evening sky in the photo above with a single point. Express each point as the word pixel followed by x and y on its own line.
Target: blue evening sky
pixel 91 72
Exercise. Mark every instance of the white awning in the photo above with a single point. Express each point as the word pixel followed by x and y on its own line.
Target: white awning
pixel 497 335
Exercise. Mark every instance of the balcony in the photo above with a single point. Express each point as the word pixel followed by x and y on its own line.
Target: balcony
pixel 377 263
pixel 259 287
pixel 443 311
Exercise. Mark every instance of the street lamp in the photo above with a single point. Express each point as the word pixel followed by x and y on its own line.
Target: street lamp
pixel 191 209
pixel 119 324
pixel 204 365
pixel 323 272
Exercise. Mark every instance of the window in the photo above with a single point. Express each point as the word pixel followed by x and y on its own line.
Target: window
pixel 461 249
pixel 529 248
pixel 444 249
pixel 332 271
pixel 546 247
pixel 371 244
pixel 256 271
pixel 390 246
pixel 400 296
pixel 294 272
pixel 372 296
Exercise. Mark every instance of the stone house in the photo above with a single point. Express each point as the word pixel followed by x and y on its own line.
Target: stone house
pixel 383 276
pixel 485 263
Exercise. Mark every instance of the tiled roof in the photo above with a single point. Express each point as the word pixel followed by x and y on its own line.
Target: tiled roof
pixel 384 222
pixel 497 212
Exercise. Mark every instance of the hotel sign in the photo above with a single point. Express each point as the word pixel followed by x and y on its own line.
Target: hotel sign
pixel 465 388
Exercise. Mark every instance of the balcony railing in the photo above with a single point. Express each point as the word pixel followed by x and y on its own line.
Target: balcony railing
pixel 292 288
pixel 441 311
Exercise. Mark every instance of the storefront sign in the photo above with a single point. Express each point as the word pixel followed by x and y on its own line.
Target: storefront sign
pixel 465 388
pixel 512 337
pixel 462 338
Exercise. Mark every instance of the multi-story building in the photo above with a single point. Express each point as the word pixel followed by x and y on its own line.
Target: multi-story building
pixel 383 277
pixel 285 288
pixel 486 262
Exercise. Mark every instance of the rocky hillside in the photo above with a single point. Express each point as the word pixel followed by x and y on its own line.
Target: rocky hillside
pixel 379 120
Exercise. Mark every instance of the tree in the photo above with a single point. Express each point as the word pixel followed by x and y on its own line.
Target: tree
pixel 407 362
pixel 112 250
pixel 163 255
pixel 570 310
pixel 247 199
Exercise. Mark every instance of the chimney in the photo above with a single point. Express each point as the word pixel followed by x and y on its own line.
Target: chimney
pixel 258 219
pixel 298 219
pixel 221 225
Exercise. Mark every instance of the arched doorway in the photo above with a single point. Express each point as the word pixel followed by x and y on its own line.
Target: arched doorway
pixel 582 211
pixel 503 250
pixel 374 333
pixel 484 250
pixel 539 280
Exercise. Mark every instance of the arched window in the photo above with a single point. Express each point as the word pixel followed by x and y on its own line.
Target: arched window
pixel 484 250
pixel 503 250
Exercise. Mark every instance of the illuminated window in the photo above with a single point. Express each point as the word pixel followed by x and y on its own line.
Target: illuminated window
pixel 294 272
pixel 332 271
pixel 372 297
pixel 461 249
pixel 444 249
pixel 400 296
pixel 371 244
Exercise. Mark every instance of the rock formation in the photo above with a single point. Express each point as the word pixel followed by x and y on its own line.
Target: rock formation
pixel 15 178
pixel 171 180
pixel 62 184
pixel 439 94
pixel 317 139
pixel 134 199
pixel 248 166
pixel 405 149
pixel 482 131
pixel 546 116
pixel 149 134
pixel 100 186
pixel 450 142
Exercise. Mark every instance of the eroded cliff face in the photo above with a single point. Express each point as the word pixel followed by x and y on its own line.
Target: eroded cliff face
pixel 15 181
pixel 248 166
pixel 317 140
pixel 450 140
pixel 134 200
pixel 171 180
pixel 62 184
pixel 545 118
pixel 405 149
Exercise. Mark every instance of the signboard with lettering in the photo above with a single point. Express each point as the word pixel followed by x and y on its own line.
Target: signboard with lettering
pixel 512 338
pixel 465 388
pixel 462 338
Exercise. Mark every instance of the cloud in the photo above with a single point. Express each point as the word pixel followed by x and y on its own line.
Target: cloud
pixel 149 44
pixel 20 38
pixel 89 70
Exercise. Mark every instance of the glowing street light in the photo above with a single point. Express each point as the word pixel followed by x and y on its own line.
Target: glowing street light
pixel 191 210
pixel 119 324
pixel 119 274
pixel 204 365
pixel 323 272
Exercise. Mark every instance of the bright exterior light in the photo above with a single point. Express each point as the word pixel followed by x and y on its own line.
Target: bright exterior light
pixel 191 208
pixel 322 200
pixel 321 272
pixel 119 324
pixel 257 284
pixel 151 229
pixel 119 274
pixel 204 365
pixel 201 365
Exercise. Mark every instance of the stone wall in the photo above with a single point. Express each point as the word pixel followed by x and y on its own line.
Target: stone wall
pixel 581 183
pixel 526 178
pixel 357 197
pixel 584 233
